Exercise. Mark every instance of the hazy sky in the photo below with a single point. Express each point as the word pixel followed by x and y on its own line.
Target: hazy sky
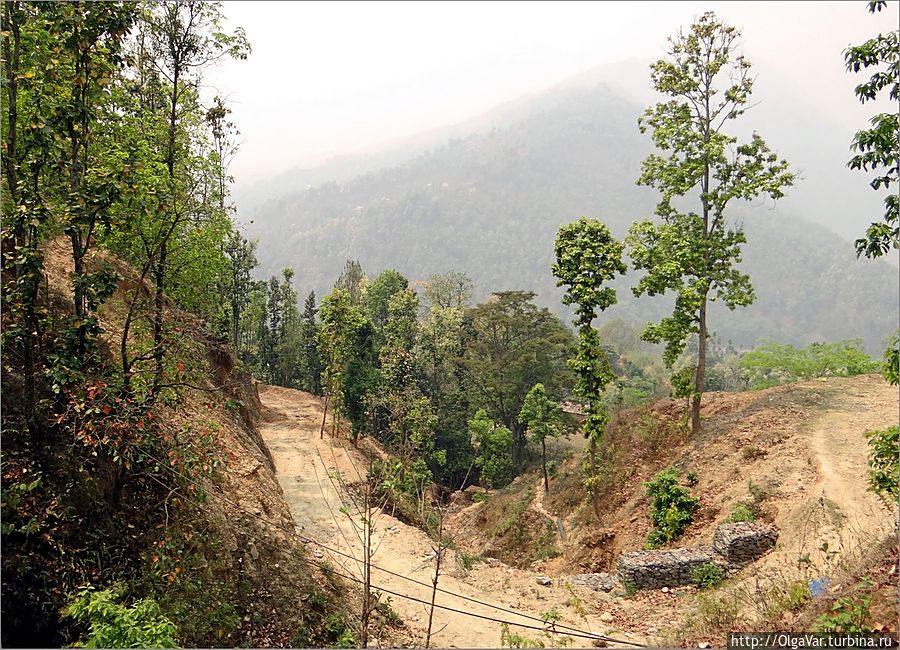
pixel 339 77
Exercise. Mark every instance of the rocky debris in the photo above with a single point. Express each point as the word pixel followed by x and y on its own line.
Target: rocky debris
pixel 743 542
pixel 658 569
pixel 606 617
pixel 596 581
pixel 544 581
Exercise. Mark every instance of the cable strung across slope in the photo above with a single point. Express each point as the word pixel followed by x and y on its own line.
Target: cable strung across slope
pixel 555 627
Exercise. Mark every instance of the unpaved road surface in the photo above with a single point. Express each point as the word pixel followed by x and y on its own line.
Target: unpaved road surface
pixel 815 461
pixel 306 468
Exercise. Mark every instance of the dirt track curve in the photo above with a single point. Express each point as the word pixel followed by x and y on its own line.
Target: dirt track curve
pixel 304 465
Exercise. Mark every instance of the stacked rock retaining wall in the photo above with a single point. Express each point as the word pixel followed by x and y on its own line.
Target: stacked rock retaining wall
pixel 743 542
pixel 656 569
pixel 734 545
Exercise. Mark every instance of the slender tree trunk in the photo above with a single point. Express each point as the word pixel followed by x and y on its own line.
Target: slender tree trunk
pixel 78 291
pixel 160 267
pixel 324 413
pixel 367 569
pixel 159 275
pixel 700 374
pixel 595 499
pixel 544 465
pixel 439 550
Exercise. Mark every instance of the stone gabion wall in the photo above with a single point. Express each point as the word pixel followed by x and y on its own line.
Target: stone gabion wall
pixel 743 542
pixel 734 545
pixel 657 569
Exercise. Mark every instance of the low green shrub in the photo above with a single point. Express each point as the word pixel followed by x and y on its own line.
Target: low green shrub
pixel 848 615
pixel 771 363
pixel 740 511
pixel 671 509
pixel 113 625
pixel 707 575
pixel 717 612
pixel 884 450
pixel 467 561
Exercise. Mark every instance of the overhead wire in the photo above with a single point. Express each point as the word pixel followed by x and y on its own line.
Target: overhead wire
pixel 557 627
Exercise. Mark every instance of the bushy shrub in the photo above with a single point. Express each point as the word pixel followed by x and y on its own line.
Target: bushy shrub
pixel 494 445
pixel 113 625
pixel 884 450
pixel 671 509
pixel 707 575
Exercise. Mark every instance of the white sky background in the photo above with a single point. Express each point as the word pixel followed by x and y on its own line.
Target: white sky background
pixel 333 78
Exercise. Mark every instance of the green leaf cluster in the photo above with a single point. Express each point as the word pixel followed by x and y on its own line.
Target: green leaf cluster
pixel 672 508
pixel 113 625
pixel 876 148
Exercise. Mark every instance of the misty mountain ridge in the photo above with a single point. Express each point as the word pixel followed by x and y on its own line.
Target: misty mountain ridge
pixel 489 203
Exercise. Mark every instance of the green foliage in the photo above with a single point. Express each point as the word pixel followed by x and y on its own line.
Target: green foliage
pixel 452 290
pixel 707 575
pixel 693 254
pixel 849 615
pixel 771 363
pixel 788 597
pixel 740 511
pixel 877 149
pixel 692 478
pixel 551 616
pixel 339 633
pixel 493 445
pixel 672 508
pixel 509 639
pixel 542 417
pixel 113 625
pixel 311 366
pixel 512 346
pixel 468 562
pixel 884 452
pixel 587 257
pixel 17 517
pixel 344 340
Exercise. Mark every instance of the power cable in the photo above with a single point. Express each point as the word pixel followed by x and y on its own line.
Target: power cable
pixel 572 631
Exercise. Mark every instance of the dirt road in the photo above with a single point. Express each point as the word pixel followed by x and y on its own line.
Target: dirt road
pixel 306 468
pixel 814 466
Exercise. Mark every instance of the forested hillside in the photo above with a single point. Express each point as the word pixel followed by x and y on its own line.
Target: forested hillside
pixel 489 205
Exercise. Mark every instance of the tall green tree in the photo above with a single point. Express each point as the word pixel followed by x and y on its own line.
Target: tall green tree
pixel 352 280
pixel 311 373
pixel 878 148
pixel 379 293
pixel 241 255
pixel 183 38
pixel 694 254
pixel 344 341
pixel 587 257
pixel 439 346
pixel 542 417
pixel 513 345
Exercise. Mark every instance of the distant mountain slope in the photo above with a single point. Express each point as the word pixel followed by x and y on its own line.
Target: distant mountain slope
pixel 489 204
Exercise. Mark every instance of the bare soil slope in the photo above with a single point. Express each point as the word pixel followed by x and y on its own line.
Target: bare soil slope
pixel 305 467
